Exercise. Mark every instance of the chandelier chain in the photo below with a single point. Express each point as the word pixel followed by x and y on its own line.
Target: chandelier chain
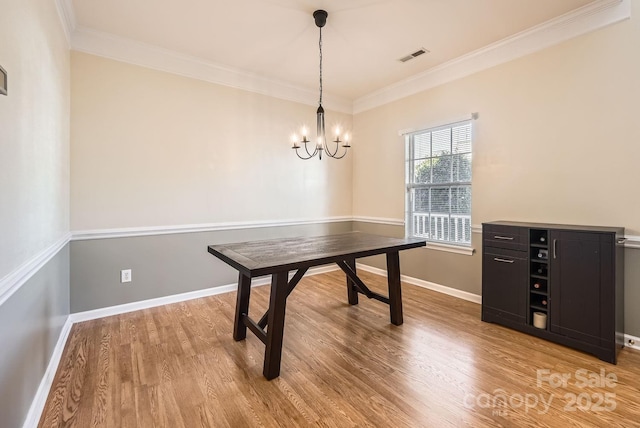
pixel 320 46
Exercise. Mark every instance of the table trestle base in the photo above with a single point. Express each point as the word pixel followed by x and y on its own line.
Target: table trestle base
pixel 359 285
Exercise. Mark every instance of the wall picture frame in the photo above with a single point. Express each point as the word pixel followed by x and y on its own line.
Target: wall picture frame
pixel 3 81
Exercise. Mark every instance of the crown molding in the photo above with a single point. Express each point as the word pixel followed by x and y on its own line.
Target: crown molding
pixel 591 17
pixel 583 20
pixel 133 52
pixel 67 18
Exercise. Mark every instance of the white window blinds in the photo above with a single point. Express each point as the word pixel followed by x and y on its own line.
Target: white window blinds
pixel 438 178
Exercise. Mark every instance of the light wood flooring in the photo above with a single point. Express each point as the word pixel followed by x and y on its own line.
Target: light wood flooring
pixel 178 366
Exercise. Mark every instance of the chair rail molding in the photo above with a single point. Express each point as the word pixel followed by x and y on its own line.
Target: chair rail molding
pixel 81 235
pixel 16 279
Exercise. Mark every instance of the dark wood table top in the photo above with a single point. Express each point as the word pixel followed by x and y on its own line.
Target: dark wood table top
pixel 256 258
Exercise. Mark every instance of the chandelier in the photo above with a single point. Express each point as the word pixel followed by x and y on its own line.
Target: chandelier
pixel 320 145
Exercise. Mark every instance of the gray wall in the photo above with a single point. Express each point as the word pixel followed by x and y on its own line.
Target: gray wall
pixel 457 271
pixel 162 265
pixel 30 324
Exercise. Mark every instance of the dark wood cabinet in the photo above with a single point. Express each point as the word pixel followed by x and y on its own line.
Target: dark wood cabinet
pixel 559 282
pixel 506 271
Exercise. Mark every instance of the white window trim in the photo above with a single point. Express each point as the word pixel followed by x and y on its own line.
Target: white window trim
pixel 451 248
pixel 467 250
pixel 438 124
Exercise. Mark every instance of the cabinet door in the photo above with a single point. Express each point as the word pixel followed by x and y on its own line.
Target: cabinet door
pixel 578 264
pixel 504 282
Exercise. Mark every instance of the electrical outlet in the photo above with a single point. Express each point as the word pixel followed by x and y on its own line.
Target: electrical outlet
pixel 125 275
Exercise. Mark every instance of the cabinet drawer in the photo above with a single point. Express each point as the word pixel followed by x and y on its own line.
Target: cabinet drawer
pixel 504 283
pixel 505 255
pixel 501 236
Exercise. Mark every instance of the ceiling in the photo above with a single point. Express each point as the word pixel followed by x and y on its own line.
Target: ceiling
pixel 362 40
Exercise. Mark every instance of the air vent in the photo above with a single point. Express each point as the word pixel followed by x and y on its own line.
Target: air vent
pixel 413 55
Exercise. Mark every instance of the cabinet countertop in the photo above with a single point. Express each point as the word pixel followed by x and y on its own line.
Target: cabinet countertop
pixel 601 229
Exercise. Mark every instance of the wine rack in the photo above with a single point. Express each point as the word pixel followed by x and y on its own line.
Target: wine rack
pixel 538 275
pixel 558 282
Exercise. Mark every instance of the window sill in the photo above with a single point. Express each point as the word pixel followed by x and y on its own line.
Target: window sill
pixel 457 249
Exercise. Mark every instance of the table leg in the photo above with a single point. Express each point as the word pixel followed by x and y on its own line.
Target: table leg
pixel 352 293
pixel 275 322
pixel 242 307
pixel 395 292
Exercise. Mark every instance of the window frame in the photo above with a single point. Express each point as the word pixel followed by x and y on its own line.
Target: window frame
pixel 459 246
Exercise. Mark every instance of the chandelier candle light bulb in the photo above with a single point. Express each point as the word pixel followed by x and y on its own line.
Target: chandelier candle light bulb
pixel 320 17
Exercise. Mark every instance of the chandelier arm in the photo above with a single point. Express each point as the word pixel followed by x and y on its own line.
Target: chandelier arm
pixel 309 155
pixel 329 152
pixel 337 149
pixel 339 157
pixel 301 157
pixel 306 149
pixel 335 153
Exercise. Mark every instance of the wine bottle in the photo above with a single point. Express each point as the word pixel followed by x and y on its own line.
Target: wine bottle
pixel 542 239
pixel 536 285
pixel 544 302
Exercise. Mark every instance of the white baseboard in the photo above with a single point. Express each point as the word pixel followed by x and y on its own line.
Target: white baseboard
pixel 152 303
pixel 464 295
pixel 632 342
pixel 166 300
pixel 37 405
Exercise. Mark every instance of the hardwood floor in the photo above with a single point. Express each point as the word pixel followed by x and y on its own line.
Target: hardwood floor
pixel 178 366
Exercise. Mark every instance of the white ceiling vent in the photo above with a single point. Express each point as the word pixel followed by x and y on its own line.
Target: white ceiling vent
pixel 413 55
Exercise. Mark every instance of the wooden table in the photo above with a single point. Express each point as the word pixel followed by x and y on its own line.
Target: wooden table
pixel 278 257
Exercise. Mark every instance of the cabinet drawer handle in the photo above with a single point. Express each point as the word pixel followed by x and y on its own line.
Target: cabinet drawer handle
pixel 498 259
pixel 555 248
pixel 506 238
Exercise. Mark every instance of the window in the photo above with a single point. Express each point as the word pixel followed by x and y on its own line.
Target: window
pixel 438 177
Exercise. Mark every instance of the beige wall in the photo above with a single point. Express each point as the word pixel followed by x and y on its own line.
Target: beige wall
pixel 556 140
pixel 34 132
pixel 151 148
